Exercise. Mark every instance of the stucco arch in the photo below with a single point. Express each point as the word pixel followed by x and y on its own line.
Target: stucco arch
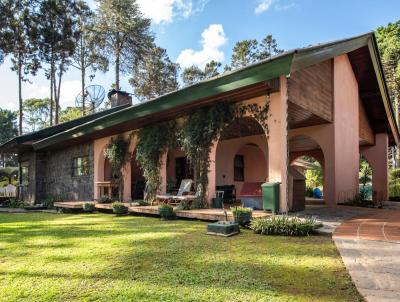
pixel 226 147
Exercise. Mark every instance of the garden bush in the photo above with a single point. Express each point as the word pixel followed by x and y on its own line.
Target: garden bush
pixel 242 215
pixel 119 208
pixel 284 225
pixel 104 199
pixel 359 201
pixel 89 207
pixel 14 203
pixel 184 205
pixel 141 202
pixel 166 211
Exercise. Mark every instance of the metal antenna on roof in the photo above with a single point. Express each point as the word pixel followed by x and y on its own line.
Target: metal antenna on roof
pixel 91 98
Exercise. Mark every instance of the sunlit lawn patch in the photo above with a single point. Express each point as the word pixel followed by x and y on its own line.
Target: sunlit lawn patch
pixel 99 257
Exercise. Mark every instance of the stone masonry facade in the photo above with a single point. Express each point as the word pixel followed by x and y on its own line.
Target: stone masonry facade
pixel 51 175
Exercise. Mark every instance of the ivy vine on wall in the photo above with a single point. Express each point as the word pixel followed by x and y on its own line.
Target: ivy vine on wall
pixel 200 128
pixel 153 141
pixel 117 152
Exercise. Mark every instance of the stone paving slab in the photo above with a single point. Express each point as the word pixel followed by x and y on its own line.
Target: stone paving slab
pixel 370 248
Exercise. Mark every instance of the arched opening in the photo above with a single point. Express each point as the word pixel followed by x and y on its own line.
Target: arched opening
pixel 365 180
pixel 138 181
pixel 306 172
pixel 178 168
pixel 241 162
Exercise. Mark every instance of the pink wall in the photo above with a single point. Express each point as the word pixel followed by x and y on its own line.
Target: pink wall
pixel 346 122
pixel 339 141
pixel 255 160
pixel 377 156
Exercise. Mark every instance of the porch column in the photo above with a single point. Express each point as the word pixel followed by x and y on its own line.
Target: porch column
pixel 278 143
pixel 163 174
pixel 212 174
pixel 377 156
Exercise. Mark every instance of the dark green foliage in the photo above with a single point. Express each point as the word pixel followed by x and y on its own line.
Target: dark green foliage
pixel 359 201
pixel 142 202
pixel 14 203
pixel 200 129
pixel 9 173
pixel 119 208
pixel 49 201
pixel 394 184
pixel 117 152
pixel 242 215
pixel 104 199
pixel 365 177
pixel 166 211
pixel 89 207
pixel 194 74
pixel 154 75
pixel 153 141
pixel 184 205
pixel 123 33
pixel 309 192
pixel 36 114
pixel 284 225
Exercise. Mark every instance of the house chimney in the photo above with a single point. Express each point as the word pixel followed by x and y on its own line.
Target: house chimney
pixel 118 98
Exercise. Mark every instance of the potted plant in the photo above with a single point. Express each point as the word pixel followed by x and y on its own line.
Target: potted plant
pixel 242 215
pixel 166 211
pixel 88 207
pixel 119 208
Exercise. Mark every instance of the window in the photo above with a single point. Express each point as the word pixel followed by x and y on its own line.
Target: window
pixel 80 166
pixel 25 173
pixel 239 168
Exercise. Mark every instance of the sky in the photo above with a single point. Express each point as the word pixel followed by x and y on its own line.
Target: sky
pixel 197 31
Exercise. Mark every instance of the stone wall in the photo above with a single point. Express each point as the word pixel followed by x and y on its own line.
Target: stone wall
pixel 58 180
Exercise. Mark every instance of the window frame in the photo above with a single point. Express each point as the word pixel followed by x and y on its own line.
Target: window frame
pixel 237 168
pixel 80 166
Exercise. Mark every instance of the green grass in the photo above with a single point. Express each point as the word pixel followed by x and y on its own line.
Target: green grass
pixel 100 257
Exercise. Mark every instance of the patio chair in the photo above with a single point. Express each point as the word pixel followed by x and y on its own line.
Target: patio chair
pixel 2 192
pixel 185 188
pixel 11 191
pixel 189 197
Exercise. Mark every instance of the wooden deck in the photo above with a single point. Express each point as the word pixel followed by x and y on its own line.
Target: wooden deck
pixel 201 214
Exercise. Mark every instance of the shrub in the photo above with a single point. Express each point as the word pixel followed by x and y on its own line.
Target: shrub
pixel 104 199
pixel 359 201
pixel 14 203
pixel 309 192
pixel 242 215
pixel 88 207
pixel 284 225
pixel 166 211
pixel 142 202
pixel 184 205
pixel 119 208
pixel 49 201
pixel 394 190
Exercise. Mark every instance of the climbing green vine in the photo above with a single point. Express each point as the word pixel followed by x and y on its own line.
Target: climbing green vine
pixel 153 141
pixel 201 127
pixel 117 152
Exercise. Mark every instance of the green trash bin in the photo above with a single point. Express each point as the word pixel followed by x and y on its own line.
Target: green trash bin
pixel 270 195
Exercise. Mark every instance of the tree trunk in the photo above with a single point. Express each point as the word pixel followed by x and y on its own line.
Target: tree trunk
pixel 55 96
pixel 51 94
pixel 20 98
pixel 57 115
pixel 117 63
pixel 83 89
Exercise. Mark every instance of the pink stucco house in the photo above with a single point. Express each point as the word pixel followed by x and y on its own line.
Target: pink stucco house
pixel 329 101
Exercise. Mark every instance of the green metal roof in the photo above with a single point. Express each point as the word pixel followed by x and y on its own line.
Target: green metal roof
pixel 279 65
pixel 52 130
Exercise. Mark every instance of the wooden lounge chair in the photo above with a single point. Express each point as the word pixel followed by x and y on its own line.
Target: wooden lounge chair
pixel 188 197
pixel 184 189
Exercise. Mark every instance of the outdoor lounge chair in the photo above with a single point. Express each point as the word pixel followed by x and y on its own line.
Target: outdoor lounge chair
pixel 184 189
pixel 2 192
pixel 189 197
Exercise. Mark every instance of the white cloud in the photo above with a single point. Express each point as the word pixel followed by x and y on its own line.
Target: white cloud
pixel 69 91
pixel 284 7
pixel 164 11
pixel 213 38
pixel 263 6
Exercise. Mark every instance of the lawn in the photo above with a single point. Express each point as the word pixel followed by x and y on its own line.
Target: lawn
pixel 100 257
